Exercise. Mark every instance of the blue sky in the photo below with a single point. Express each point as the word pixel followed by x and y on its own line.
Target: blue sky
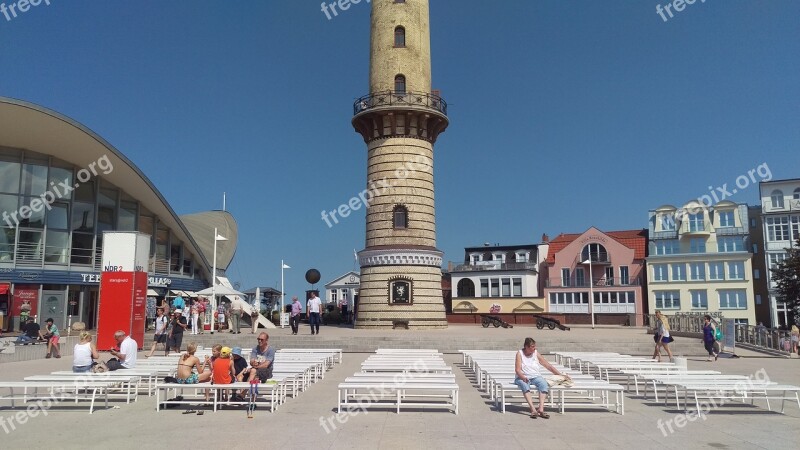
pixel 564 114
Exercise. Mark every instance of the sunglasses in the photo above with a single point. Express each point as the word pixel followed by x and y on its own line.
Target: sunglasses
pixel 259 339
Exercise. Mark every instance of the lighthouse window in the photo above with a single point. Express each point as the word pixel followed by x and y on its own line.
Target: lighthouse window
pixel 400 84
pixel 400 217
pixel 399 37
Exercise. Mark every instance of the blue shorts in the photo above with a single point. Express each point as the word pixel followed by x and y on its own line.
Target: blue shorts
pixel 538 382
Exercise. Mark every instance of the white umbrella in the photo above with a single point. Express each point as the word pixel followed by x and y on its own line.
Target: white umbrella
pixel 219 290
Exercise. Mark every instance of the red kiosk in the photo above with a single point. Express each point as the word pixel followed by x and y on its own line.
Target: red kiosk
pixel 123 287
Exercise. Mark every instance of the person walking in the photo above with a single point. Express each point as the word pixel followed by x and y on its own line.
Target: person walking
pixel 177 327
pixel 709 338
pixel 314 308
pixel 195 316
pixel 294 317
pixel 160 336
pixel 662 337
pixel 236 316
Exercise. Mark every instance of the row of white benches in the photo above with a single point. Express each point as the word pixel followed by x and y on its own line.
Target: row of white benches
pixel 296 370
pixel 401 378
pixel 676 380
pixel 495 373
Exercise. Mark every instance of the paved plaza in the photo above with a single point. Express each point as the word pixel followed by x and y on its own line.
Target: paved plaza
pixel 297 423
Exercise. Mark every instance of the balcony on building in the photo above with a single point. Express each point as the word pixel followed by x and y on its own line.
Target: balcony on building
pixel 482 266
pixel 601 282
pixel 431 102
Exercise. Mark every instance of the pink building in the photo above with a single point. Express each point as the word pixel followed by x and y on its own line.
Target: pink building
pixel 608 266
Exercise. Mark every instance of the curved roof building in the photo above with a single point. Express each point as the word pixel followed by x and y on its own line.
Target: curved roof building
pixel 61 187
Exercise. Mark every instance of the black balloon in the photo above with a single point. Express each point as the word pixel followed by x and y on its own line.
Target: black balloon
pixel 312 276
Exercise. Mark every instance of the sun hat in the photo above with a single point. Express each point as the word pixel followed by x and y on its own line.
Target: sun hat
pixel 177 311
pixel 237 351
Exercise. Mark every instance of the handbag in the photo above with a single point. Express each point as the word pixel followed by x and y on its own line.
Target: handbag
pixel 99 367
pixel 170 380
pixel 719 336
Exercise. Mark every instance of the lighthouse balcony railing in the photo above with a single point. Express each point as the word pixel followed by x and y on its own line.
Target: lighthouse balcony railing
pixel 399 98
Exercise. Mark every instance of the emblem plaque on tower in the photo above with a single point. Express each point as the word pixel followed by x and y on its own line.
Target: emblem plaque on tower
pixel 400 291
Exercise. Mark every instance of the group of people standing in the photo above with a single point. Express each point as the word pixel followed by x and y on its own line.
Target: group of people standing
pixel 712 337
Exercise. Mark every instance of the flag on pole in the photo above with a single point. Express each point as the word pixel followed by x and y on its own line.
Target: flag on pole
pixel 285 266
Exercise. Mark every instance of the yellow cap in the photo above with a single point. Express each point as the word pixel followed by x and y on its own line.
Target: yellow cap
pixel 225 352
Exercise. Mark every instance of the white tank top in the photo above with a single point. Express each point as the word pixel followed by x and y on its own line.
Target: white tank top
pixel 82 355
pixel 530 365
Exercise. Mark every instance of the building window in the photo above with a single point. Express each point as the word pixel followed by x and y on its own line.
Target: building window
pixel 796 194
pixel 698 271
pixel 732 299
pixel 736 270
pixel 755 249
pixel 756 274
pixel 506 287
pixel 400 217
pixel 500 257
pixel 758 299
pixel 595 251
pixel 610 276
pixel 777 199
pixel 667 247
pixel 517 287
pixel 679 272
pixel 668 299
pixel 796 227
pixel 660 272
pixel 696 222
pixel 400 84
pixel 716 271
pixel 777 228
pixel 522 257
pixel 697 245
pixel 494 285
pixel 399 37
pixel 334 295
pixel 565 277
pixel 668 222
pixel 484 287
pixel 699 299
pixel 726 219
pixel 465 288
pixel 624 277
pixel 730 244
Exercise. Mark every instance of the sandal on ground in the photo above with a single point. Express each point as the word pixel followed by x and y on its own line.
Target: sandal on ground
pixel 200 413
pixel 189 411
pixel 544 415
pixel 534 415
pixel 47 356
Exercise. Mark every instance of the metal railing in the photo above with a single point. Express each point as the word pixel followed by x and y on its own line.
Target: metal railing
pixel 596 282
pixel 400 98
pixel 754 337
pixel 731 231
pixel 493 265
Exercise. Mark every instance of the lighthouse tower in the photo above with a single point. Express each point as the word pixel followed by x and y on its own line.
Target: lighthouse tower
pixel 400 119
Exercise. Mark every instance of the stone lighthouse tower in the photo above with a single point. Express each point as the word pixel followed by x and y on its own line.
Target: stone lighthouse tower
pixel 400 119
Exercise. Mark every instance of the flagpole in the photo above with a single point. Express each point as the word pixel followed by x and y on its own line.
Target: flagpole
pixel 282 296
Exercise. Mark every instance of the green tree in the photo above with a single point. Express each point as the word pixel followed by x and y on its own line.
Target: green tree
pixel 787 280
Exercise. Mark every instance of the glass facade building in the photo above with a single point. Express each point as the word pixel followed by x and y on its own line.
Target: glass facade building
pixel 56 203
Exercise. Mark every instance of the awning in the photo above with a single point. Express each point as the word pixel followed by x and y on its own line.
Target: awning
pixel 180 293
pixel 152 293
pixel 190 294
pixel 4 289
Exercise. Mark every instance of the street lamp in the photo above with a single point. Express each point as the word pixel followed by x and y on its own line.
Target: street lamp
pixel 591 287
pixel 283 295
pixel 217 237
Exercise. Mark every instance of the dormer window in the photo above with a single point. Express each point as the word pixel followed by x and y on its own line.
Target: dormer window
pixel 522 257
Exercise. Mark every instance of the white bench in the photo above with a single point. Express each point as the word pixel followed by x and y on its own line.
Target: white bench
pixel 357 393
pixel 559 394
pixel 272 392
pixel 65 390
pixel 127 386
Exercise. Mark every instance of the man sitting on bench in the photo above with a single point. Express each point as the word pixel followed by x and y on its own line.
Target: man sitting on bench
pixel 31 331
pixel 529 368
pixel 125 357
